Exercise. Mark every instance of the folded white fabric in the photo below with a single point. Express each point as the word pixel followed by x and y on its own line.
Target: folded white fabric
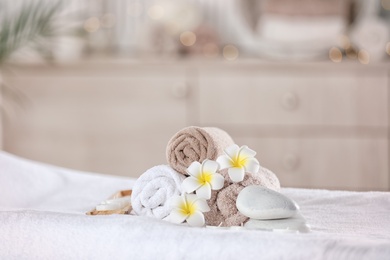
pixel 36 235
pixel 153 190
pixel 298 37
pixel 298 30
pixel 345 225
pixel 26 184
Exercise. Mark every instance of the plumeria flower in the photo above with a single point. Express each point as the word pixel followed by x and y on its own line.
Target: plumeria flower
pixel 238 160
pixel 190 208
pixel 203 178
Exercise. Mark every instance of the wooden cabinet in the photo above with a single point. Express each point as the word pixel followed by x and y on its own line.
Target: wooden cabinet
pixel 332 162
pixel 315 126
pixel 293 99
pixel 319 125
pixel 109 119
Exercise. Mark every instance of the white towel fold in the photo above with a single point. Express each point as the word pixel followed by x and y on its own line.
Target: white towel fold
pixel 26 184
pixel 153 190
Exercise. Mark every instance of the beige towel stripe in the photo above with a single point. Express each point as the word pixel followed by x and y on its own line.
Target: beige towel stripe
pixel 196 144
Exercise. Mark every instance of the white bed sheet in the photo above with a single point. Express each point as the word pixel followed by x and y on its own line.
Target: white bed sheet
pixel 42 216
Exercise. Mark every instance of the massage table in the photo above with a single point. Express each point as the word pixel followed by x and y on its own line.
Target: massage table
pixel 43 216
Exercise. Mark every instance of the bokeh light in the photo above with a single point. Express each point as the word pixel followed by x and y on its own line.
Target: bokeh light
pixel 230 52
pixel 363 57
pixel 92 24
pixel 344 42
pixel 335 54
pixel 156 12
pixel 188 38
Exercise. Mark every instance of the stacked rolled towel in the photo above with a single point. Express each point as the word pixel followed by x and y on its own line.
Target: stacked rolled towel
pixel 196 144
pixel 199 143
pixel 153 190
pixel 223 202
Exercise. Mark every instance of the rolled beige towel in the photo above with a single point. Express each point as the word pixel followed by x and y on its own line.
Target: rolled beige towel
pixel 214 216
pixel 226 204
pixel 222 204
pixel 196 144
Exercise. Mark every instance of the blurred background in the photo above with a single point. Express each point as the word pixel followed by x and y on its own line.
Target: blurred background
pixel 101 86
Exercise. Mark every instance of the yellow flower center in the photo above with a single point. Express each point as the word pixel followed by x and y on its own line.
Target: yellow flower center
pixel 239 162
pixel 188 208
pixel 205 177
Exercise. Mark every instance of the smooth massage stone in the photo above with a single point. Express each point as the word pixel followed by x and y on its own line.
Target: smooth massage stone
pixel 257 202
pixel 295 224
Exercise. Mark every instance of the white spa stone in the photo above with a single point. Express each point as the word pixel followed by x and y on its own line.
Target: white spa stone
pixel 257 202
pixel 295 224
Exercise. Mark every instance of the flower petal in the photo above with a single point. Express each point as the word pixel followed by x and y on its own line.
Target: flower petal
pixel 246 152
pixel 176 201
pixel 191 198
pixel 210 166
pixel 177 216
pixel 232 151
pixel 190 184
pixel 217 181
pixel 252 165
pixel 194 169
pixel 201 205
pixel 196 219
pixel 236 174
pixel 204 191
pixel 224 161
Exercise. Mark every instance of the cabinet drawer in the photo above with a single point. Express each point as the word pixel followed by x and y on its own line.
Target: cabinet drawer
pixel 114 125
pixel 294 99
pixel 352 164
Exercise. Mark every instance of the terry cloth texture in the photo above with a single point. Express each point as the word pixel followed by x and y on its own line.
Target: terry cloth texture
pixel 153 190
pixel 223 202
pixel 42 216
pixel 196 144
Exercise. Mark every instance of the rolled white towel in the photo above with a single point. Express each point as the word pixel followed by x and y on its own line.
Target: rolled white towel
pixel 153 190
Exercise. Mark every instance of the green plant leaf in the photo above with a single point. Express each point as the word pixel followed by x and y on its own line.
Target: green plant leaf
pixel 31 25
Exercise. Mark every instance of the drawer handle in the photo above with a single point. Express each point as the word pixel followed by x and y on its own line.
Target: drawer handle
pixel 290 101
pixel 291 162
pixel 179 90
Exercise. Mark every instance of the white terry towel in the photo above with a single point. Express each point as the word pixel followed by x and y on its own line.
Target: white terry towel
pixel 27 184
pixel 153 190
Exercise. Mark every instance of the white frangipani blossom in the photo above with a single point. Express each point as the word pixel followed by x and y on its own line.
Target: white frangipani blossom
pixel 239 160
pixel 189 208
pixel 203 178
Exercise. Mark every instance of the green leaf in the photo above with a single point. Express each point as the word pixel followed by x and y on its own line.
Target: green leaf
pixel 31 25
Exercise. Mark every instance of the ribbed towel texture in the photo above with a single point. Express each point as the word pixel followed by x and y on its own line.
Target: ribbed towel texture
pixel 223 202
pixel 196 144
pixel 153 190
